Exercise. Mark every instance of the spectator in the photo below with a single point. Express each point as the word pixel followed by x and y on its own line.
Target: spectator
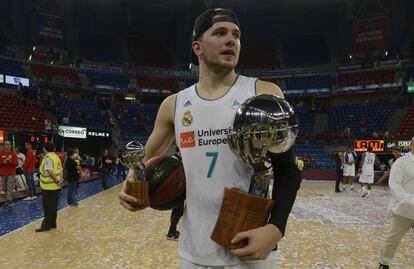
pixel 29 169
pixel 72 176
pixel 8 164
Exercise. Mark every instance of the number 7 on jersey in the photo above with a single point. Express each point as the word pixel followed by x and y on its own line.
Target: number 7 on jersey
pixel 214 156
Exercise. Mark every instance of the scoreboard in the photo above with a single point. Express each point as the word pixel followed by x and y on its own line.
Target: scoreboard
pixel 38 138
pixel 362 145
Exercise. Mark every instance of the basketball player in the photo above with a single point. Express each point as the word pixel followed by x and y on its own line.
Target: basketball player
pixel 366 170
pixel 349 168
pixel 199 119
pixel 401 205
pixel 396 152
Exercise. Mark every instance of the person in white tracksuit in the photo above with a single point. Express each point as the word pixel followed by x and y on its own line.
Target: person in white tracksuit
pixel 401 206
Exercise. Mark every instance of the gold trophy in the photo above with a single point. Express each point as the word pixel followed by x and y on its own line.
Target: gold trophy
pixel 137 187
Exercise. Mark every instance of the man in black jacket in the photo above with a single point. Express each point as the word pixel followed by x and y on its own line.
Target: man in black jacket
pixel 339 170
pixel 72 176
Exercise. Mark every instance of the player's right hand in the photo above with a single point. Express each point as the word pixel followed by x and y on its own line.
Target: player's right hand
pixel 128 201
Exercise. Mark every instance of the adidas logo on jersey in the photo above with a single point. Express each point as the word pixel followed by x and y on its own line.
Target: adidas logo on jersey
pixel 188 103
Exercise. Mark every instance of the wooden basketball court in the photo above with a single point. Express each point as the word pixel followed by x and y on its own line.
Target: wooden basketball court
pixel 326 230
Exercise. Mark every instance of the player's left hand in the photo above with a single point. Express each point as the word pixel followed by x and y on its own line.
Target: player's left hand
pixel 261 241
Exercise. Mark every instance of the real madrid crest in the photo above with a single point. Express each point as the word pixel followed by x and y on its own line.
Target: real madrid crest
pixel 187 118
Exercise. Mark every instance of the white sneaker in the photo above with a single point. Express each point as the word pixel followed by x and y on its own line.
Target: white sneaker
pixel 352 189
pixel 28 198
pixel 34 198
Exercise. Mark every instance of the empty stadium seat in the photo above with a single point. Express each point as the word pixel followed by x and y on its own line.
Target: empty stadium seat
pixel 16 115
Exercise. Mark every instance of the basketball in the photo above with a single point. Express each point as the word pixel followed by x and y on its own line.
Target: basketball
pixel 166 182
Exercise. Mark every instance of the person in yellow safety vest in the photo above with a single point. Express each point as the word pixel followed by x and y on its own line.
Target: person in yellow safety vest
pixel 50 171
pixel 300 164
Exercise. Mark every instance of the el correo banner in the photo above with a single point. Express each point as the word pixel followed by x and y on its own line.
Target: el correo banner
pixel 72 132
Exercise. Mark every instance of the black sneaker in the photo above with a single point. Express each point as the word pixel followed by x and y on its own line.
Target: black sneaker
pixel 173 236
pixel 383 266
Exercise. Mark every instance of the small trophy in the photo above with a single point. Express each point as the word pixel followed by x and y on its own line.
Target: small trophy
pixel 263 123
pixel 137 187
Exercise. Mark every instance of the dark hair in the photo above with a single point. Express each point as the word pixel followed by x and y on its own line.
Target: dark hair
pixel 369 148
pixel 396 149
pixel 49 146
pixel 70 152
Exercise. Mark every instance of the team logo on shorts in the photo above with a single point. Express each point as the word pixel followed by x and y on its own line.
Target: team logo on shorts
pixel 187 119
pixel 187 140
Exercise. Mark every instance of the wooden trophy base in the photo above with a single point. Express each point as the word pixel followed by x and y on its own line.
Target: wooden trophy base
pixel 239 212
pixel 139 190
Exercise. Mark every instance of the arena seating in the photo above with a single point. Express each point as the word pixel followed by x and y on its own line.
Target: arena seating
pixel 83 113
pixel 376 116
pixel 306 119
pixel 17 116
pixel 157 83
pixel 118 81
pixel 11 67
pixel 308 82
pixel 368 77
pixel 404 131
pixel 410 74
pixel 55 73
pixel 314 157
pixel 141 127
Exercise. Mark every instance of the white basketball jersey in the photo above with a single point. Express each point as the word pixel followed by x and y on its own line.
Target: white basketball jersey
pixel 201 128
pixel 368 165
pixel 349 158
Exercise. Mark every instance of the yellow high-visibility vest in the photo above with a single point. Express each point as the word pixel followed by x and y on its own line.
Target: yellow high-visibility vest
pixel 46 182
pixel 300 164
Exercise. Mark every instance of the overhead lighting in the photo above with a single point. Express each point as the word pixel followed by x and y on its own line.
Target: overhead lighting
pixel 386 53
pixel 131 98
pixel 30 57
pixel 350 56
pixel 34 48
